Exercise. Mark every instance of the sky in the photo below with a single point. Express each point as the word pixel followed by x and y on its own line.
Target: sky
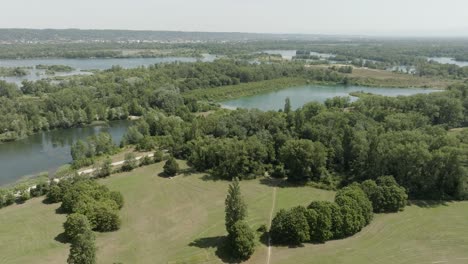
pixel 348 17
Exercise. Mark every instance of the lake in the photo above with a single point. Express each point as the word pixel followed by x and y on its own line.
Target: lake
pixel 288 54
pixel 47 151
pixel 82 66
pixel 308 93
pixel 447 60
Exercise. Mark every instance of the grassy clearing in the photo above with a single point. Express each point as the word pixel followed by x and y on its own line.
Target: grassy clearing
pixel 181 220
pixel 382 78
pixel 244 89
pixel 428 233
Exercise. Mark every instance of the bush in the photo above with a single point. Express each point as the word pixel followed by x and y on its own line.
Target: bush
pixel 290 227
pixel 55 194
pixel 130 162
pixel 242 239
pixel 146 161
pixel 9 199
pixel 118 198
pixel 158 156
pixel 75 225
pixel 24 196
pixel 105 168
pixel 171 168
pixel 41 189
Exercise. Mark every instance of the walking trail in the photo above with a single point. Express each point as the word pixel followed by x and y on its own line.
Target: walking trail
pixel 88 171
pixel 269 225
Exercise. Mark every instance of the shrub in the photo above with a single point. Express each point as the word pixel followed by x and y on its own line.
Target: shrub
pixel 105 168
pixel 242 239
pixel 9 199
pixel 171 168
pixel 76 224
pixel 146 161
pixel 41 189
pixel 118 198
pixel 130 162
pixel 55 194
pixel 106 218
pixel 158 156
pixel 24 196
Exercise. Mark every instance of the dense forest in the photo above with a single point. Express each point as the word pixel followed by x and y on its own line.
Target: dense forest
pixel 327 145
pixel 117 93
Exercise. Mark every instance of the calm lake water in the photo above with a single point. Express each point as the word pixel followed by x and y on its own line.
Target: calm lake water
pixel 288 54
pixel 447 60
pixel 47 151
pixel 317 93
pixel 81 66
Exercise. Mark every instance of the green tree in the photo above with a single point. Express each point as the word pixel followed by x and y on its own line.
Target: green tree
pixel 76 224
pixel 303 159
pixel 171 167
pixel 242 239
pixel 287 105
pixel 236 209
pixel 290 227
pixel 83 249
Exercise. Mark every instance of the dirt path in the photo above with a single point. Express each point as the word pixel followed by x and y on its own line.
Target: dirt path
pixel 273 204
pixel 117 163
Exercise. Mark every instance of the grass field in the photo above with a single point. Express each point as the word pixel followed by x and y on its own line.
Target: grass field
pixel 181 220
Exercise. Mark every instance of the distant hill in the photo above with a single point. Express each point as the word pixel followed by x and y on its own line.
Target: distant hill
pixel 80 35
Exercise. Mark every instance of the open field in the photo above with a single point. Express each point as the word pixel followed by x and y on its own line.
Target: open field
pixel 181 220
pixel 383 78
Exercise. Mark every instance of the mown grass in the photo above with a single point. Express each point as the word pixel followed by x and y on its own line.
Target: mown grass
pixel 181 220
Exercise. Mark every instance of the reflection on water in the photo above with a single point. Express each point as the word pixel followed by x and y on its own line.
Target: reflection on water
pixel 81 66
pixel 318 93
pixel 46 151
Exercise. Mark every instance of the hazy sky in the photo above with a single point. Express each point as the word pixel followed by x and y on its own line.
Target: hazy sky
pixel 372 17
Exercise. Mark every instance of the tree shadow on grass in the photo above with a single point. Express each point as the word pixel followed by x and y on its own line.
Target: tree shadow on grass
pixel 219 243
pixel 428 203
pixel 62 238
pixel 281 183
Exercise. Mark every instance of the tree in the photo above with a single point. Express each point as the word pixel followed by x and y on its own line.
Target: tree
pixel 171 167
pixel 303 159
pixel 130 162
pixel 236 209
pixel 242 239
pixel 106 218
pixel 287 105
pixel 322 230
pixel 386 195
pixel 76 224
pixel 290 227
pixel 83 249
